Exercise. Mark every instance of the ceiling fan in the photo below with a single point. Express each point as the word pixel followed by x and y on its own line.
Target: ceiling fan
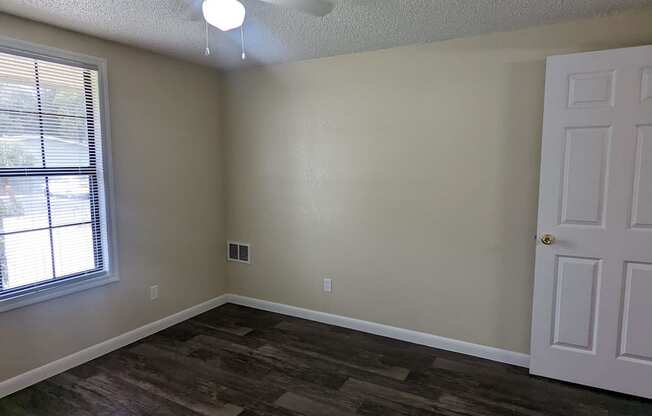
pixel 230 14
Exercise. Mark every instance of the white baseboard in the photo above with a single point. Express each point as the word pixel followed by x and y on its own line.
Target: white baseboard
pixel 422 338
pixel 31 377
pixel 36 375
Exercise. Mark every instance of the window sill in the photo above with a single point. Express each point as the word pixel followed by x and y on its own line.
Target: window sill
pixel 47 293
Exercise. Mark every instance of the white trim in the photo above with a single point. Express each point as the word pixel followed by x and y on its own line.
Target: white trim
pixel 422 338
pixel 41 294
pixel 108 207
pixel 50 52
pixel 36 375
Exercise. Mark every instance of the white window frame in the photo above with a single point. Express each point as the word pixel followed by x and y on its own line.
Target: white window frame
pixel 55 289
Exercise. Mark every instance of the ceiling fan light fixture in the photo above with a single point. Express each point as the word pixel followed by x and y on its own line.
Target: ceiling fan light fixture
pixel 224 14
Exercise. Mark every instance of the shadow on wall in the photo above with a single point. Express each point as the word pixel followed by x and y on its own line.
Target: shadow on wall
pixel 519 178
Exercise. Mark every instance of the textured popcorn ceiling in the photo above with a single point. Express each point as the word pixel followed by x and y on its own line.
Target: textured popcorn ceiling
pixel 277 35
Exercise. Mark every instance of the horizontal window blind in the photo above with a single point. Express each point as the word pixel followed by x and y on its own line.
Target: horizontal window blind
pixel 52 225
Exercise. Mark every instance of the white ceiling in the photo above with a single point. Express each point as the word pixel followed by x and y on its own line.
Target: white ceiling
pixel 275 35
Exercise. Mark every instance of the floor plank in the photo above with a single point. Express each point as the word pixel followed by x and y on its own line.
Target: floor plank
pixel 238 361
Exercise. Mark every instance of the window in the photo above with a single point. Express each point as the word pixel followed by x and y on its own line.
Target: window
pixel 54 229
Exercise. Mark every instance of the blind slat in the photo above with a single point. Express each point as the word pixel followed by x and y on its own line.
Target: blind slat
pixel 51 175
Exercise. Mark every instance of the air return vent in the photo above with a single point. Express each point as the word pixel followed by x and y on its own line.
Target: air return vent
pixel 237 251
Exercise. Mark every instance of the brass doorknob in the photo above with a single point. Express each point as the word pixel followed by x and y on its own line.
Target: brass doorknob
pixel 547 239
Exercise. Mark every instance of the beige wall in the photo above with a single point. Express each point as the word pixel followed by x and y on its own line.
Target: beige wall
pixel 167 163
pixel 408 175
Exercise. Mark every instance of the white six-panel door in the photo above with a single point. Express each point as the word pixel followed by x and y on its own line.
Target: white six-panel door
pixel 592 312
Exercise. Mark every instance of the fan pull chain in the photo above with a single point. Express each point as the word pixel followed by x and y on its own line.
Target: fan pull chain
pixel 207 51
pixel 242 42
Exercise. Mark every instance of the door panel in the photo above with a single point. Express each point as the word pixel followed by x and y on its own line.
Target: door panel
pixel 646 84
pixel 584 175
pixel 592 306
pixel 591 90
pixel 636 337
pixel 575 302
pixel 642 198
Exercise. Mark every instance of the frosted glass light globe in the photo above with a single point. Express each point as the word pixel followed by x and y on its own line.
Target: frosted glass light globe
pixel 224 14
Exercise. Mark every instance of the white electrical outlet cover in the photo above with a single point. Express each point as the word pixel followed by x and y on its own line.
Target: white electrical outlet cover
pixel 153 292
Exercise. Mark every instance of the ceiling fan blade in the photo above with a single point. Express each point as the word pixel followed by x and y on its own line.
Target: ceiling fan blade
pixel 191 9
pixel 313 7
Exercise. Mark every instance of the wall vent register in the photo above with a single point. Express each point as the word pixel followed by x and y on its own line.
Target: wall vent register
pixel 53 210
pixel 238 252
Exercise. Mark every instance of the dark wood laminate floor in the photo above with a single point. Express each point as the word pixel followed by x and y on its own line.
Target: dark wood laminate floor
pixel 240 361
